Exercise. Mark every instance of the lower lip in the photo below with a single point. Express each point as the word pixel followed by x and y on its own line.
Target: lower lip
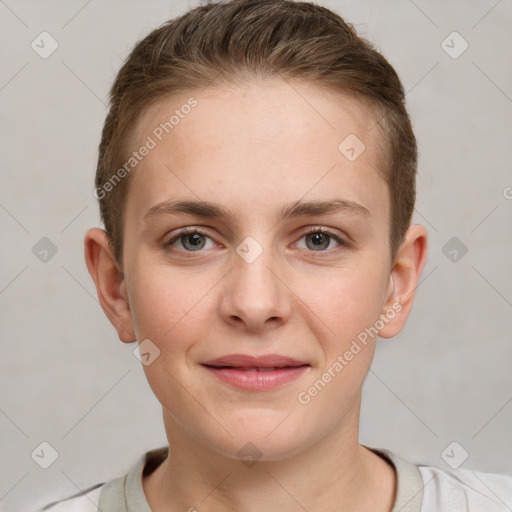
pixel 253 380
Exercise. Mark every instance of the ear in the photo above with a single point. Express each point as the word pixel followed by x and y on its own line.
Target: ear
pixel 110 284
pixel 404 278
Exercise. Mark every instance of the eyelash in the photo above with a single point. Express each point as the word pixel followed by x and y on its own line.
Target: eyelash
pixel 343 244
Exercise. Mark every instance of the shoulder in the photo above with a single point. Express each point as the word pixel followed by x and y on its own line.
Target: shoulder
pixel 465 489
pixel 86 501
pixel 425 488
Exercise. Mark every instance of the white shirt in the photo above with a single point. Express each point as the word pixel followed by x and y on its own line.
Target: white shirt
pixel 420 488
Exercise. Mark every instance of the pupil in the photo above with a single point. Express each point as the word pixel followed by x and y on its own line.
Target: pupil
pixel 319 240
pixel 194 240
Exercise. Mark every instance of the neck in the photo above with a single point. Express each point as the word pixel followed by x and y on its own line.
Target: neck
pixel 335 474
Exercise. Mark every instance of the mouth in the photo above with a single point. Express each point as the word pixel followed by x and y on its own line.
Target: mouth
pixel 256 373
pixel 254 368
pixel 257 361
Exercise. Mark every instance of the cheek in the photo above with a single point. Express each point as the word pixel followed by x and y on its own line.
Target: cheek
pixel 344 301
pixel 167 306
pixel 346 306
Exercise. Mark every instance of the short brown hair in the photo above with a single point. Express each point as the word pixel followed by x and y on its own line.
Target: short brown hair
pixel 256 38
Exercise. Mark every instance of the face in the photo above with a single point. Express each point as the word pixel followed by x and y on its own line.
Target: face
pixel 245 279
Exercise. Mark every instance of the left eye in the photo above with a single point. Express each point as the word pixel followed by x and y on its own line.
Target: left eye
pixel 319 240
pixel 316 240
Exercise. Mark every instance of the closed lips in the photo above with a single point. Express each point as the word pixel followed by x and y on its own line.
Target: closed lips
pixel 255 368
pixel 259 362
pixel 256 373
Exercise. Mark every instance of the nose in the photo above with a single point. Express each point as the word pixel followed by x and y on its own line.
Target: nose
pixel 254 297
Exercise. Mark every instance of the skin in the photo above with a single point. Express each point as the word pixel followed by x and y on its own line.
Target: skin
pixel 254 148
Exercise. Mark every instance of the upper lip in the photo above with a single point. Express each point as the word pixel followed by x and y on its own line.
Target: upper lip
pixel 247 361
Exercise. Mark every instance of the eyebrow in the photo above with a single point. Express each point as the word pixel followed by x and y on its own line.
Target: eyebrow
pixel 296 209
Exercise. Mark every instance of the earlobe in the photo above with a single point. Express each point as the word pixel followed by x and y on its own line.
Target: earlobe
pixel 109 282
pixel 404 279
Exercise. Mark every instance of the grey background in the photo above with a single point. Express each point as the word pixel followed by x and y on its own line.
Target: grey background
pixel 65 377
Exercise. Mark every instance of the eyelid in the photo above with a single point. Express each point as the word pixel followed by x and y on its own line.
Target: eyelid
pixel 342 241
pixel 187 231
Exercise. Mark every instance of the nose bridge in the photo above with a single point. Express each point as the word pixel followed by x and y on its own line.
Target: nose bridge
pixel 254 292
pixel 253 257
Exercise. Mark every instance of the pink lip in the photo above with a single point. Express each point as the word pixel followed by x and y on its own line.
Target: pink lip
pixel 264 361
pixel 247 372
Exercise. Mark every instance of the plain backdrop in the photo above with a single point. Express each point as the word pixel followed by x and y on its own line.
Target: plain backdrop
pixel 68 381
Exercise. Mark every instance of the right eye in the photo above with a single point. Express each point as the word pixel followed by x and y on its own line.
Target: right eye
pixel 191 240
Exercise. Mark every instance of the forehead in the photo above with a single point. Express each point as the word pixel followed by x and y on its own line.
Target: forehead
pixel 305 109
pixel 258 142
